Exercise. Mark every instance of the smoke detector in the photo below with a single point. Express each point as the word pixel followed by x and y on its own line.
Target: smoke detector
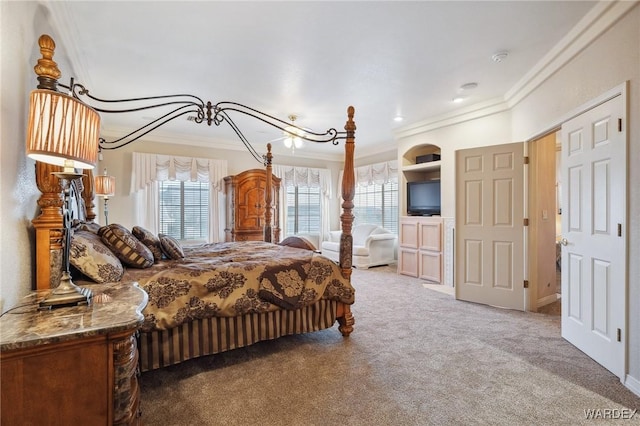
pixel 500 56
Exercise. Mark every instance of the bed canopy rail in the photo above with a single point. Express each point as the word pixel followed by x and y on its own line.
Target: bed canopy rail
pixel 49 224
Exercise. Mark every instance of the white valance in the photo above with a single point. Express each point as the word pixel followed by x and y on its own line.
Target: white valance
pixel 304 176
pixel 379 173
pixel 148 168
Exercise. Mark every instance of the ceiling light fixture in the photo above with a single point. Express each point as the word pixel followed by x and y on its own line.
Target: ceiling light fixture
pixel 459 99
pixel 398 118
pixel 293 135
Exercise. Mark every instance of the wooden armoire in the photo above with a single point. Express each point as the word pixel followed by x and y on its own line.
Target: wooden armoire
pixel 246 206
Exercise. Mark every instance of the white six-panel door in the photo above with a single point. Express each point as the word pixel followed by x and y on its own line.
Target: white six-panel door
pixel 489 241
pixel 594 249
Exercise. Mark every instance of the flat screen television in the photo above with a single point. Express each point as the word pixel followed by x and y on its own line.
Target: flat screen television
pixel 423 198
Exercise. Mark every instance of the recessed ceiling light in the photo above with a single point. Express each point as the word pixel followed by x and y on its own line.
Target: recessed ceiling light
pixel 468 86
pixel 500 56
pixel 398 118
pixel 459 99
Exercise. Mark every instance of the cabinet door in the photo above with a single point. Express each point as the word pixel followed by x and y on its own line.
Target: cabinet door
pixel 250 204
pixel 408 233
pixel 430 266
pixel 408 262
pixel 431 236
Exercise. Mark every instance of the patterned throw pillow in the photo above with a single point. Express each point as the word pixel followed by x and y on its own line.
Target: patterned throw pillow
pixel 80 225
pixel 171 247
pixel 150 240
pixel 91 257
pixel 127 247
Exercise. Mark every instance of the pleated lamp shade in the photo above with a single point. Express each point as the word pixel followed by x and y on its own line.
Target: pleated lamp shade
pixel 105 186
pixel 62 130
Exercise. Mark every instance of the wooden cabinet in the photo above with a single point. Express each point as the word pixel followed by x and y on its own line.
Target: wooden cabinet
pixel 76 365
pixel 420 248
pixel 246 206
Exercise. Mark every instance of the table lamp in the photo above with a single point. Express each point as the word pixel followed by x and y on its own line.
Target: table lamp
pixel 63 131
pixel 105 186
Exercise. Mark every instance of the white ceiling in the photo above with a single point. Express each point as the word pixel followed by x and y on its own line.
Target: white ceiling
pixel 308 58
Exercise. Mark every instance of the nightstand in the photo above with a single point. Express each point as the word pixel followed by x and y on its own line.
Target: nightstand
pixel 74 365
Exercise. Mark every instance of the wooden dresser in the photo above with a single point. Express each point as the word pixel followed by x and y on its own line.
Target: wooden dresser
pixel 76 365
pixel 246 206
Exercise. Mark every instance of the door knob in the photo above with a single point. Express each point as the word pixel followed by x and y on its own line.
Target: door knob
pixel 564 242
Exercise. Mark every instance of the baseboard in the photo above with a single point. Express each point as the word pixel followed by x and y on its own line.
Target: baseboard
pixel 632 384
pixel 548 299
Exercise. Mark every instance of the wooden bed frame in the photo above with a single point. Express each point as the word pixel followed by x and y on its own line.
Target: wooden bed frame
pixel 207 336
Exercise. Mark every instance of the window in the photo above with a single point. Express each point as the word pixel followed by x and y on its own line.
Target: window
pixel 303 210
pixel 184 210
pixel 377 204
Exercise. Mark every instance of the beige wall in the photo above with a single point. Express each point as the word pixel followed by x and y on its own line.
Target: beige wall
pixel 361 160
pixel 18 191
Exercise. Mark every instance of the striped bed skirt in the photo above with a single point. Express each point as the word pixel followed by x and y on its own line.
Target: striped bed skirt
pixel 208 336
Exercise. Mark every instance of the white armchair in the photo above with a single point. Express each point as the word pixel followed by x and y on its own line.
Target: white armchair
pixel 372 246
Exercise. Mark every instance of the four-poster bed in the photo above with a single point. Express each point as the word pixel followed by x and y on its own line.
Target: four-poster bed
pixel 191 330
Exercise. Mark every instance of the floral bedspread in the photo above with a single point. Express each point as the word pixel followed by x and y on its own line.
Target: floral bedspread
pixel 231 279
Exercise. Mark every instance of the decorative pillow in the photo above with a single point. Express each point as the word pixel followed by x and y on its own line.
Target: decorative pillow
pixel 91 257
pixel 127 247
pixel 171 247
pixel 80 225
pixel 148 239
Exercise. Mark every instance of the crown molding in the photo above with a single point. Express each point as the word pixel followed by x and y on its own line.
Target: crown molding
pixel 600 18
pixel 458 116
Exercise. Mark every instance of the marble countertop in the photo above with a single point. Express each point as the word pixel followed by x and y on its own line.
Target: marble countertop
pixel 115 307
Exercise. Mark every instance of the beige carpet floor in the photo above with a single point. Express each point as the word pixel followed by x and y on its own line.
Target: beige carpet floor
pixel 416 357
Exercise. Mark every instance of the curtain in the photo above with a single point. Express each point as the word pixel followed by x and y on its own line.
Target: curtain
pixel 310 177
pixel 379 173
pixel 148 169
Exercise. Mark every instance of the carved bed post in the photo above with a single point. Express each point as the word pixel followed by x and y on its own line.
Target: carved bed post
pixel 268 191
pixel 346 320
pixel 348 191
pixel 48 226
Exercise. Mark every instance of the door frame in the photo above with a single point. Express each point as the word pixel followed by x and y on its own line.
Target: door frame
pixel 621 90
pixel 536 224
